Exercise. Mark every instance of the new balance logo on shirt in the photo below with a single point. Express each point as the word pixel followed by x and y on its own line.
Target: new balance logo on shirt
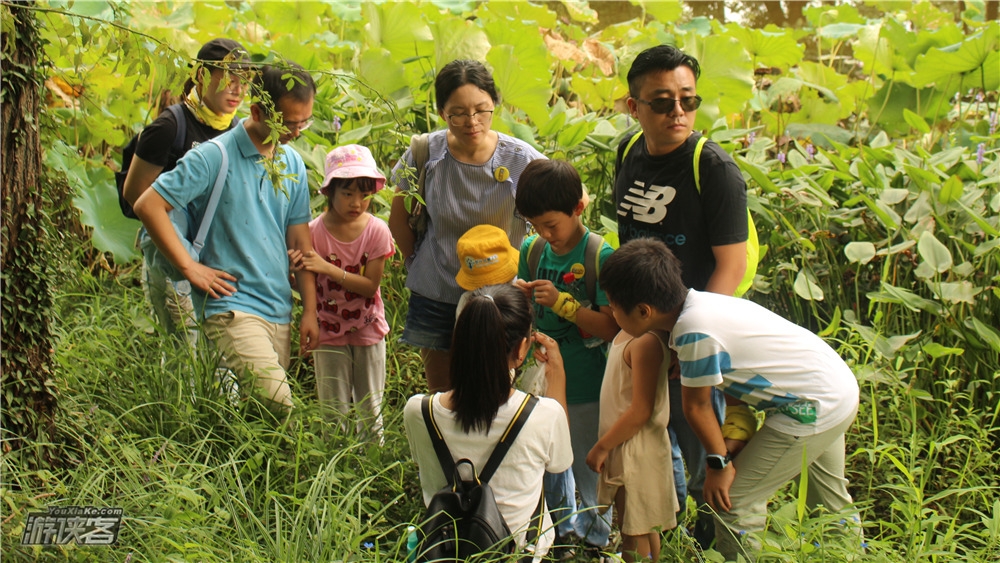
pixel 647 206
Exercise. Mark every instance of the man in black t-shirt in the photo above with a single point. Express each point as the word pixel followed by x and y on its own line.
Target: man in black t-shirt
pixel 656 196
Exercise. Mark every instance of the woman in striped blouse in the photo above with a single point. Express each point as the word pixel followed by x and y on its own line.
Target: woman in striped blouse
pixel 470 179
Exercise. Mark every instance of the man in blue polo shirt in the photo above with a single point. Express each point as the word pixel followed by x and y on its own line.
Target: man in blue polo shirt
pixel 241 280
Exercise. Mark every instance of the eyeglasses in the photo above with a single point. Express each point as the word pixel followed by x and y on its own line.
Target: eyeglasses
pixel 298 125
pixel 236 84
pixel 666 105
pixel 461 119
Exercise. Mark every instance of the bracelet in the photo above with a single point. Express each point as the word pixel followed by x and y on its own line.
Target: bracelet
pixel 343 278
pixel 566 307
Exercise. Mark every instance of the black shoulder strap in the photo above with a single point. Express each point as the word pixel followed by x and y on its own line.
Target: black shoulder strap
pixel 178 147
pixel 513 429
pixel 592 266
pixel 440 448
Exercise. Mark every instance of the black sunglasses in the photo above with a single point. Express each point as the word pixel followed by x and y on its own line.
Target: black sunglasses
pixel 666 105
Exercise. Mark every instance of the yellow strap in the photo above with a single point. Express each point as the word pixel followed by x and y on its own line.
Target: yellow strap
pixel 697 162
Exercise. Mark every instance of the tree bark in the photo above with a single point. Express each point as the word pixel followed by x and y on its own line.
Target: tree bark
pixel 27 419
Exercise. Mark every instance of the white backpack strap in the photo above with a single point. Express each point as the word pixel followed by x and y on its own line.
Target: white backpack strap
pixel 213 200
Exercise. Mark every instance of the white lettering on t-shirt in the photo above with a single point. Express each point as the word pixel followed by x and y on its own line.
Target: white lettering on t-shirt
pixel 647 206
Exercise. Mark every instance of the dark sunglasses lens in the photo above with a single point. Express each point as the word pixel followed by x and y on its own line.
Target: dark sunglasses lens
pixel 662 105
pixel 691 103
pixel 666 105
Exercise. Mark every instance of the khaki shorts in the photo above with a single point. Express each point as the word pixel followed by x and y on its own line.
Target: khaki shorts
pixel 256 350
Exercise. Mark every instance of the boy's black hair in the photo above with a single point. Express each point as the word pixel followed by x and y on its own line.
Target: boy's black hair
pixel 643 270
pixel 460 72
pixel 488 335
pixel 659 58
pixel 365 185
pixel 548 185
pixel 272 83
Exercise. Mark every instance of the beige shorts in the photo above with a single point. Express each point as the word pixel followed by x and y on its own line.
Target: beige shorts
pixel 256 350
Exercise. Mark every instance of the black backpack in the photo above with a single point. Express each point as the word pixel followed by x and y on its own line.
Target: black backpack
pixel 129 151
pixel 463 519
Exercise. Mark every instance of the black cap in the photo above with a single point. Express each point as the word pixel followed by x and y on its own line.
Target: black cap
pixel 218 49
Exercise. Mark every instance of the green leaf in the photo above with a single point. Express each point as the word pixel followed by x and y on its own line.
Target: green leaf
pixel 987 333
pixel 890 347
pixel 458 39
pixel 943 67
pixel 396 26
pixel 839 30
pixel 579 11
pixel 935 254
pixel 916 121
pixel 521 75
pixel 726 81
pixel 112 231
pixel 382 73
pixel 661 11
pixel 806 288
pixel 770 48
pixel 832 326
pixel 575 133
pixel 898 295
pixel 354 135
pixel 757 175
pixel 951 190
pixel 983 223
pixel 956 292
pixel 861 252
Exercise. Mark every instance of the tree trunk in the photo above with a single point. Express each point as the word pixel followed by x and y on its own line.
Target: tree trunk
pixel 27 419
pixel 775 14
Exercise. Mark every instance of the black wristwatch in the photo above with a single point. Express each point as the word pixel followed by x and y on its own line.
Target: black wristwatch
pixel 716 461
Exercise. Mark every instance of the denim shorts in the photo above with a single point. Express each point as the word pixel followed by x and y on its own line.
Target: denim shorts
pixel 429 323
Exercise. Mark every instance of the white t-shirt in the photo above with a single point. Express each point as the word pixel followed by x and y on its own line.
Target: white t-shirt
pixel 543 445
pixel 763 359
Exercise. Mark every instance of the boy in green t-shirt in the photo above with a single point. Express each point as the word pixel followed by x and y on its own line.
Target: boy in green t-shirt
pixel 550 196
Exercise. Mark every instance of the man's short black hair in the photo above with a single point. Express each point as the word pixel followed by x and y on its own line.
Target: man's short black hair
pixel 273 81
pixel 548 185
pixel 656 59
pixel 643 270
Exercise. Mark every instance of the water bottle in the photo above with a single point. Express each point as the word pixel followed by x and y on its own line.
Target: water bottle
pixel 411 543
pixel 576 286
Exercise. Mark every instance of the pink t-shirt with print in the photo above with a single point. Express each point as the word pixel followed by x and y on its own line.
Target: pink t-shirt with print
pixel 346 318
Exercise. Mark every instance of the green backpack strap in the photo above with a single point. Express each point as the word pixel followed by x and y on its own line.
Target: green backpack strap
pixel 628 146
pixel 753 245
pixel 534 257
pixel 592 266
pixel 697 162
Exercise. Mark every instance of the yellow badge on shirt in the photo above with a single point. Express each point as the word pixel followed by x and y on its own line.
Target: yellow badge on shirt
pixel 501 174
pixel 577 270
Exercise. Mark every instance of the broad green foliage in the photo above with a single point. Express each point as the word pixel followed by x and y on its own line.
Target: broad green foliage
pixel 376 63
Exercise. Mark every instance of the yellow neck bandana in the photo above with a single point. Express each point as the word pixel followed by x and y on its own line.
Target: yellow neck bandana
pixel 205 115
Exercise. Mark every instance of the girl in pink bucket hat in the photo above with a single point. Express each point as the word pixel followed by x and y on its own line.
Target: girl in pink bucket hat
pixel 351 246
